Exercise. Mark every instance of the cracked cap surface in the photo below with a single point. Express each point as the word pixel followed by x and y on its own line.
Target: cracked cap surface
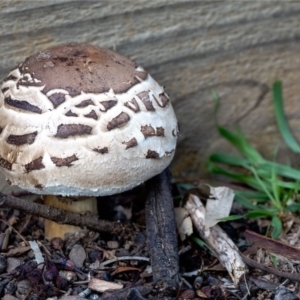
pixel 81 120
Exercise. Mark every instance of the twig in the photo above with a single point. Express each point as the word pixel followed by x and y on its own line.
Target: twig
pixel 221 245
pixel 107 262
pixel 15 230
pixel 186 282
pixel 184 250
pixel 64 217
pixel 272 245
pixel 252 263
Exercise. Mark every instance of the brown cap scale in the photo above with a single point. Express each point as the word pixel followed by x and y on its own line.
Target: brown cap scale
pixel 81 120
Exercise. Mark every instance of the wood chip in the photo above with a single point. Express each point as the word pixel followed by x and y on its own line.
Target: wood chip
pixel 37 252
pixel 16 251
pixel 102 285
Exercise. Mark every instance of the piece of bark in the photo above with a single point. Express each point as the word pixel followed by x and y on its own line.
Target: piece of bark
pixel 161 233
pixel 218 241
pixel 272 245
pixel 64 217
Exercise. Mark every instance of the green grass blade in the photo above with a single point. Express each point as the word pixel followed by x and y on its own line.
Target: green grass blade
pixel 202 244
pixel 282 170
pixel 263 185
pixel 217 99
pixel 244 201
pixel 257 214
pixel 281 120
pixel 241 143
pixel 295 207
pixel 247 179
pixel 277 227
pixel 229 160
pixel 232 218
pixel 258 197
pixel 274 261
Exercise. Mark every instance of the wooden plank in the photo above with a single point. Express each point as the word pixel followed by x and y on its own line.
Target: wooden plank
pixel 191 47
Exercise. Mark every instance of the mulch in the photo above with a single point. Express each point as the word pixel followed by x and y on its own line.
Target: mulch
pixel 83 265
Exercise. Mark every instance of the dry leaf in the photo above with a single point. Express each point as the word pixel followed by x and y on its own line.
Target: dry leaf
pixel 218 205
pixel 147 272
pixel 184 222
pixel 102 285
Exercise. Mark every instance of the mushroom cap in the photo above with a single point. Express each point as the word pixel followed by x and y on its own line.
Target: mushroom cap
pixel 81 120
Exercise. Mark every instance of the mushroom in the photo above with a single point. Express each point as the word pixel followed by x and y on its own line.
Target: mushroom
pixel 78 122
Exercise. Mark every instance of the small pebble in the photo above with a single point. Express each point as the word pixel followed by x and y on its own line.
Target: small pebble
pixel 85 293
pixel 23 288
pixel 69 275
pixel 71 297
pixel 57 243
pixel 113 244
pixel 78 255
pixel 12 263
pixel 198 282
pixel 122 252
pixel 9 297
pixel 93 297
pixel 10 288
pixel 94 255
pixel 33 297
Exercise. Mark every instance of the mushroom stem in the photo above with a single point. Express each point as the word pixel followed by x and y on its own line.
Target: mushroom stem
pixel 78 205
pixel 161 233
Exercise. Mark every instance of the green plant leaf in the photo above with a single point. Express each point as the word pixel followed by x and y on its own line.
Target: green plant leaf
pixel 244 201
pixel 282 170
pixel 229 160
pixel 295 207
pixel 281 120
pixel 274 261
pixel 240 142
pixel 257 214
pixel 232 218
pixel 247 179
pixel 255 195
pixel 277 227
pixel 275 186
pixel 202 244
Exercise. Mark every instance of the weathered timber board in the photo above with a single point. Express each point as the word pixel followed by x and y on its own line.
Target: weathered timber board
pixel 237 48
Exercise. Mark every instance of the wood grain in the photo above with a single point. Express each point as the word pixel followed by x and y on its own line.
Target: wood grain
pixel 237 48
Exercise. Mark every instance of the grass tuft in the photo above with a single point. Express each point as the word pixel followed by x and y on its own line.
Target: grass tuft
pixel 273 187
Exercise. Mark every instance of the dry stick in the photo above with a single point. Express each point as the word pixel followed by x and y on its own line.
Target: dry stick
pixel 218 241
pixel 64 217
pixel 161 233
pixel 16 231
pixel 254 264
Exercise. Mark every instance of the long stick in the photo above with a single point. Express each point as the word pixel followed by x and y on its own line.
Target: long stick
pixel 64 217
